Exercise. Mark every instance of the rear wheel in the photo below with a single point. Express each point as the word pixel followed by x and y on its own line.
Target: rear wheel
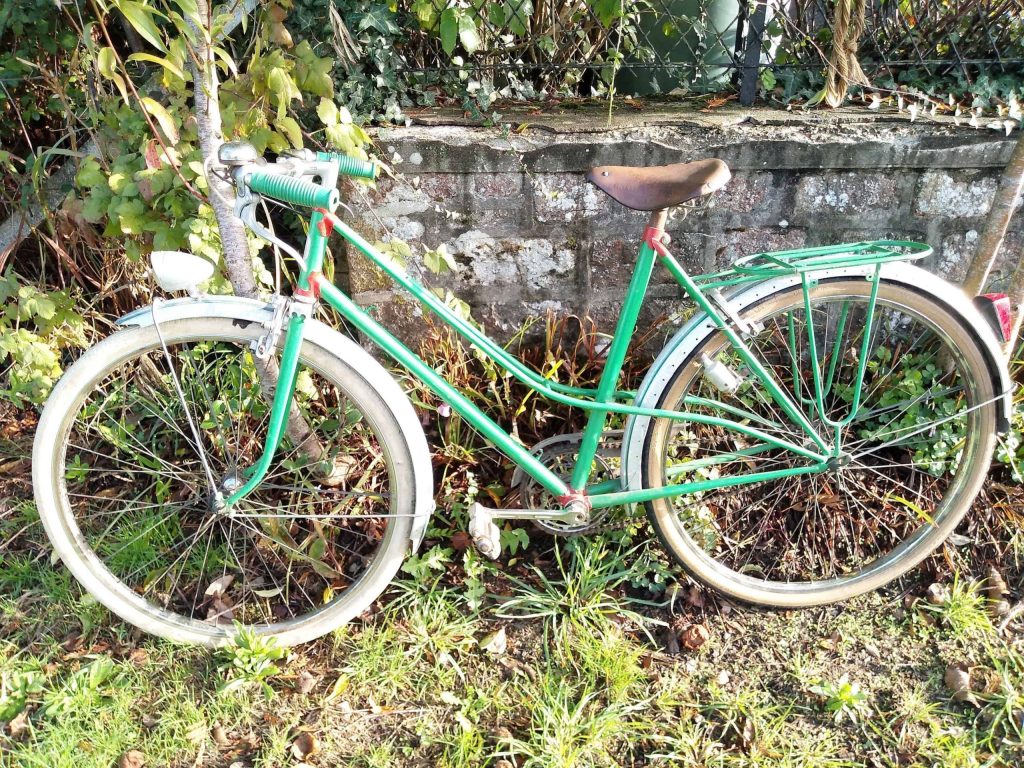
pixel 128 495
pixel 913 458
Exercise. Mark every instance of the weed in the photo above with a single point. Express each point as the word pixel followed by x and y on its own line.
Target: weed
pixel 379 664
pixel 17 687
pixel 609 661
pixel 843 699
pixel 571 726
pixel 583 601
pixel 250 659
pixel 1001 718
pixel 963 612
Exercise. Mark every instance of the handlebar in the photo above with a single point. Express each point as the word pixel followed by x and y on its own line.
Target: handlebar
pixel 350 166
pixel 286 186
pixel 291 190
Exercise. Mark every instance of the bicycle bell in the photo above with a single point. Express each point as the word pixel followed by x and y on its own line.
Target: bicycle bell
pixel 236 153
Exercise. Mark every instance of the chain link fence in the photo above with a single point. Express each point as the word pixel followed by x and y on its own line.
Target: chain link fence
pixel 580 47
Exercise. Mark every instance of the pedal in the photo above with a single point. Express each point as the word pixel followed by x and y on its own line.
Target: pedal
pixel 484 532
pixel 486 535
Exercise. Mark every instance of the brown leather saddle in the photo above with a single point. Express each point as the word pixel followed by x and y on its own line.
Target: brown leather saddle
pixel 660 186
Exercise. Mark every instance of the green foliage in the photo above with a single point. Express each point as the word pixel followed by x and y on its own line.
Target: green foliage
pixel 392 69
pixel 149 195
pixel 250 660
pixel 83 689
pixel 431 562
pixel 33 34
pixel 583 600
pixel 36 326
pixel 17 687
pixel 843 699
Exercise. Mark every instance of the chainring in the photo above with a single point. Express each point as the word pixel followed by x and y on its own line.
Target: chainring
pixel 558 453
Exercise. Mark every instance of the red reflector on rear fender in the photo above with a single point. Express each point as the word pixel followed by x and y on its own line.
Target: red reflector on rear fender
pixel 996 309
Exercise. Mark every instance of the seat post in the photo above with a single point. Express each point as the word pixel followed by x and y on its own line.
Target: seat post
pixel 657 219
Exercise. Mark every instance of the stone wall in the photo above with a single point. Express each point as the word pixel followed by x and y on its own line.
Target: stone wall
pixel 530 234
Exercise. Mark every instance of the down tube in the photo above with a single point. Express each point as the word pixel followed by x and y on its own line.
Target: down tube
pixel 411 361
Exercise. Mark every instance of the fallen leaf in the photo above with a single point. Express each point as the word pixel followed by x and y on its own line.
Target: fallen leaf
pixel 695 596
pixel 748 735
pixel 460 541
pixel 18 726
pixel 997 609
pixel 219 586
pixel 958 680
pixel 220 737
pixel 495 642
pixel 132 759
pixel 995 585
pixel 717 101
pixel 938 594
pixel 306 682
pixel 694 636
pixel 337 689
pixel 305 744
pixel 450 698
pixel 197 734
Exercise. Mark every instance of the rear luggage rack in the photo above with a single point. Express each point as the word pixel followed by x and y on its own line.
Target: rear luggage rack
pixel 779 263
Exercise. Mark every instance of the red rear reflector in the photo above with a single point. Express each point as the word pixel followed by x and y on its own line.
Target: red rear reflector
pixel 996 309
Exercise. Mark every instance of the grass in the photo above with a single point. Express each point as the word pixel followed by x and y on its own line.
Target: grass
pixel 580 683
pixel 587 675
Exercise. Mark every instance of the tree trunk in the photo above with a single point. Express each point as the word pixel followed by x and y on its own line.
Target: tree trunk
pixel 1007 197
pixel 1008 194
pixel 233 238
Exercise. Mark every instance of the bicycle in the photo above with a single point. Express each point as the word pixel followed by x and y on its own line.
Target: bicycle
pixel 821 424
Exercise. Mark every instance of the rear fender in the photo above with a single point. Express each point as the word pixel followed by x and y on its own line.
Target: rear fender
pixel 254 310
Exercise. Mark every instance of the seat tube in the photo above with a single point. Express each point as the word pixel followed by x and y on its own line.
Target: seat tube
pixel 624 328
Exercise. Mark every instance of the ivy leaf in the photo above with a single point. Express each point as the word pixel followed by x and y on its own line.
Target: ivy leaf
pixel 290 128
pixel 449 29
pixel 439 261
pixel 163 117
pixel 468 33
pixel 381 19
pixel 140 17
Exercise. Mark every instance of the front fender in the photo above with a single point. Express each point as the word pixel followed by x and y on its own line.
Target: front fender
pixel 254 310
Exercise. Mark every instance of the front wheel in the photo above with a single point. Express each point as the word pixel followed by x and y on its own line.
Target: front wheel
pixel 135 442
pixel 913 456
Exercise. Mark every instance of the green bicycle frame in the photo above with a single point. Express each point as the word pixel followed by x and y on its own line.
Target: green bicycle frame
pixel 600 403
